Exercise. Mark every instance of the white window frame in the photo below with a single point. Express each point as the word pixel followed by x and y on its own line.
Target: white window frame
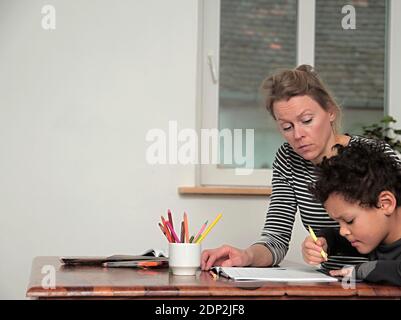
pixel 393 97
pixel 208 95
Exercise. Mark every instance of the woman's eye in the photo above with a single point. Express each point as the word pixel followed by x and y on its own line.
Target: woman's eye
pixel 286 128
pixel 307 121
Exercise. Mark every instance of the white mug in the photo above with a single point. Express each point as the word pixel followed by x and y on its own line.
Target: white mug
pixel 184 258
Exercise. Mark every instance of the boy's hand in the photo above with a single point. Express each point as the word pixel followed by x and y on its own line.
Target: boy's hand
pixel 311 251
pixel 344 272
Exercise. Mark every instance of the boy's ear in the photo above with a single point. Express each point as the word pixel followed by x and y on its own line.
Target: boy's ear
pixel 387 202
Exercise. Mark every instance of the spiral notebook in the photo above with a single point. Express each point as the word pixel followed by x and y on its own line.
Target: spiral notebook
pixel 288 274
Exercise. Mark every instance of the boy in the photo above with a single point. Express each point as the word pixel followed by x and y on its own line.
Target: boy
pixel 360 188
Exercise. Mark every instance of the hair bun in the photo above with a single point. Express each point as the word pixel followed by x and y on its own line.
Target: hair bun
pixel 306 68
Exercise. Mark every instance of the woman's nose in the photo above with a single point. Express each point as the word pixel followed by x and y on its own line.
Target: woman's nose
pixel 298 132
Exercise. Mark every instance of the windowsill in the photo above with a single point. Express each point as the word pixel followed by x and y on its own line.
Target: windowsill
pixel 241 191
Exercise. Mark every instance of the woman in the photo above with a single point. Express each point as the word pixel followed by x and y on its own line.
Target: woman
pixel 308 118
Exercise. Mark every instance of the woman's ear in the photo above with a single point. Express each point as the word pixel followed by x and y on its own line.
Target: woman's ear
pixel 387 202
pixel 332 113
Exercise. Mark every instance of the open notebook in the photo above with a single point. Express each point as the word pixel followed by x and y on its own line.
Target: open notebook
pixel 288 274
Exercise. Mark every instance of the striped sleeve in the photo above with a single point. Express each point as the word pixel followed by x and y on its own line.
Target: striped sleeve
pixel 389 151
pixel 387 148
pixel 280 217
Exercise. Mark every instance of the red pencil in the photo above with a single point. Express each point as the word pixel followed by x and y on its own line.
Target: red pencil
pixel 169 236
pixel 170 218
pixel 172 232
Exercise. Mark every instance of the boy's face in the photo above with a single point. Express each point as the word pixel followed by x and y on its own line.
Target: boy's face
pixel 364 227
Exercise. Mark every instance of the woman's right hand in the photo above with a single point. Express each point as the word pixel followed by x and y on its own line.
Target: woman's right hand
pixel 311 251
pixel 225 256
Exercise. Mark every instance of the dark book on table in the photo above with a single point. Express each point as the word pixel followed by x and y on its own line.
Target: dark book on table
pixel 150 258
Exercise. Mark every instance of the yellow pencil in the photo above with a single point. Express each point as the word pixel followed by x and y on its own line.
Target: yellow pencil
pixel 208 229
pixel 313 235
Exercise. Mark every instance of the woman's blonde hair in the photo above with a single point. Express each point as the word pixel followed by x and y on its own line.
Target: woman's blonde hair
pixel 300 81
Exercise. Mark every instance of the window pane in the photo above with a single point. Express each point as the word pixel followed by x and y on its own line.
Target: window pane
pixel 257 37
pixel 352 61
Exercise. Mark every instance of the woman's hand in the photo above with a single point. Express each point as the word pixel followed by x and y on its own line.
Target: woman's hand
pixel 225 256
pixel 311 251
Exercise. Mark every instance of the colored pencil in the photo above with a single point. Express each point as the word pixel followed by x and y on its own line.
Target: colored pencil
pixel 313 235
pixel 214 275
pixel 200 231
pixel 208 229
pixel 186 227
pixel 164 231
pixel 172 231
pixel 182 232
pixel 169 236
pixel 170 218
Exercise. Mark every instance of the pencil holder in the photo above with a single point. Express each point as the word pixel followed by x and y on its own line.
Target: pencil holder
pixel 184 258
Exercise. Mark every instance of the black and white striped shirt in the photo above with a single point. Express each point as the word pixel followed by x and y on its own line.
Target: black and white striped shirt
pixel 291 176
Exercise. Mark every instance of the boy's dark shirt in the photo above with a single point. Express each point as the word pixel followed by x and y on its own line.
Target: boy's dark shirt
pixel 384 263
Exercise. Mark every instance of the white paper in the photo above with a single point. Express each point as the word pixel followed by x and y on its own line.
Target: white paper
pixel 281 274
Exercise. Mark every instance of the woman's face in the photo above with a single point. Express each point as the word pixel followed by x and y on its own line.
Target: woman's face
pixel 306 126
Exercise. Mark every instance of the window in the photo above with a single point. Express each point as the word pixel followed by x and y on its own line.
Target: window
pixel 263 41
pixel 245 41
pixel 352 61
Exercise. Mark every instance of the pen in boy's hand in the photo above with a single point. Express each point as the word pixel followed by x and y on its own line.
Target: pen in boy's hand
pixel 313 235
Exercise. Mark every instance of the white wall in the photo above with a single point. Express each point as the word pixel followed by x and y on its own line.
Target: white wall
pixel 75 106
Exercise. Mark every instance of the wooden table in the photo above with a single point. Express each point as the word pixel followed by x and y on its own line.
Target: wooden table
pixel 102 283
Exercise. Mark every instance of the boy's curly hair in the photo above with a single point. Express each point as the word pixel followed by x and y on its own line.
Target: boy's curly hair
pixel 359 172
